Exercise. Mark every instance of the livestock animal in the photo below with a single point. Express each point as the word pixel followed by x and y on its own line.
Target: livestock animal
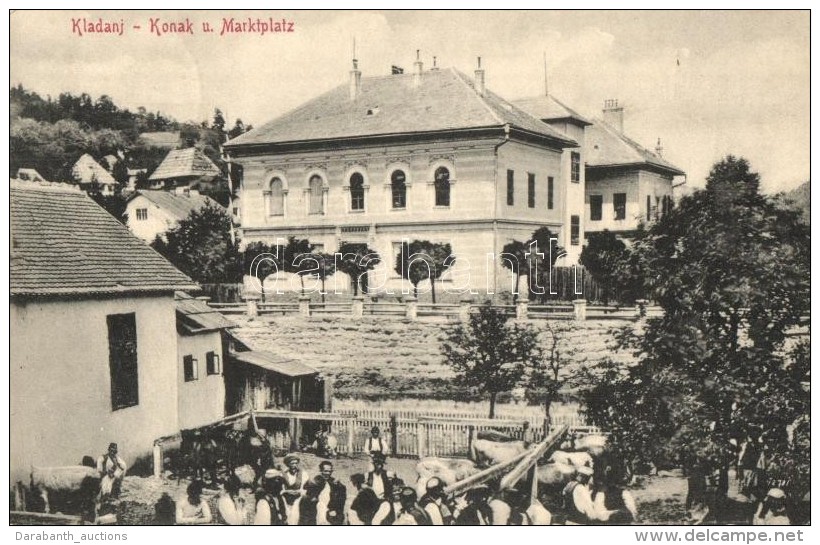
pixel 69 489
pixel 576 459
pixel 448 470
pixel 486 453
pixel 556 475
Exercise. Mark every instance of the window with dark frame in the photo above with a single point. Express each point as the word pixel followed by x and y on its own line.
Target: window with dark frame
pixel 142 214
pixel 442 186
pixel 550 192
pixel 531 190
pixel 575 230
pixel 122 360
pixel 575 173
pixel 189 368
pixel 510 188
pixel 212 363
pixel 619 205
pixel 596 207
pixel 398 189
pixel 356 191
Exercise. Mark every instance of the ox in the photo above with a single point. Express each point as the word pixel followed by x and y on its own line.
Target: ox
pixel 576 459
pixel 448 470
pixel 486 453
pixel 70 489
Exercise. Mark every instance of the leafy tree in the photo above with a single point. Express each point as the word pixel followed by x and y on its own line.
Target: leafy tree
pixel 731 271
pixel 541 262
pixel 326 264
pixel 356 260
pixel 261 260
pixel 295 255
pixel 489 354
pixel 605 257
pixel 218 123
pixel 238 128
pixel 514 258
pixel 422 260
pixel 201 246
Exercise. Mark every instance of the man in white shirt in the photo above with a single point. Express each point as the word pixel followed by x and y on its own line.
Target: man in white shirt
pixel 578 498
pixel 112 471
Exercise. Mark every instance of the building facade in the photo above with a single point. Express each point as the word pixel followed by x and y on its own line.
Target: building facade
pixel 153 212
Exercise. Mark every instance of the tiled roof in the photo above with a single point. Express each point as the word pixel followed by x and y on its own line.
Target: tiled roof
pixel 181 163
pixel 608 147
pixel 547 107
pixel 179 206
pixel 390 105
pixel 63 243
pixel 274 362
pixel 195 316
pixel 86 170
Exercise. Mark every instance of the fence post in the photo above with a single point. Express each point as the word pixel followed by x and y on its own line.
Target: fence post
pixel 411 309
pixel 420 430
pixel 304 306
pixel 350 429
pixel 357 309
pixel 521 310
pixel 157 459
pixel 470 434
pixel 464 309
pixel 524 429
pixel 580 308
pixel 394 435
pixel 640 308
pixel 252 301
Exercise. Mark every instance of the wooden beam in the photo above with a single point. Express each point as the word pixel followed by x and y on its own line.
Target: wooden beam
pixel 483 476
pixel 551 442
pixel 27 517
pixel 303 415
pixel 482 422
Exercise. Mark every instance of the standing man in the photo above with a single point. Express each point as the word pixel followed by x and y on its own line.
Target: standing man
pixel 378 479
pixel 295 479
pixel 332 497
pixel 578 498
pixel 411 514
pixel 364 505
pixel 433 502
pixel 112 471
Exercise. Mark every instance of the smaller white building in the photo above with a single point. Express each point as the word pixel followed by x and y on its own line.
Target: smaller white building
pixel 153 212
pixel 86 171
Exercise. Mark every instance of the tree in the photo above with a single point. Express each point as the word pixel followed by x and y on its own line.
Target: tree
pixel 355 261
pixel 605 257
pixel 325 268
pixel 201 247
pixel 261 260
pixel 296 258
pixel 489 354
pixel 730 270
pixel 421 260
pixel 514 258
pixel 543 253
pixel 238 128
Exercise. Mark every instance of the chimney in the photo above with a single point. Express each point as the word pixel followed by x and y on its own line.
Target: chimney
pixel 479 78
pixel 355 81
pixel 435 66
pixel 614 114
pixel 659 148
pixel 417 68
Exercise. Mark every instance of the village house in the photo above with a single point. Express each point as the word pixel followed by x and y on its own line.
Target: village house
pixel 93 355
pixel 30 175
pixel 429 155
pixel 184 167
pixel 153 212
pixel 87 172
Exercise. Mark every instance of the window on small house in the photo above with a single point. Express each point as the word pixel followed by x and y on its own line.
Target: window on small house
pixel 442 186
pixel 190 368
pixel 619 205
pixel 398 189
pixel 122 360
pixel 596 207
pixel 550 192
pixel 510 188
pixel 575 172
pixel 531 190
pixel 212 363
pixel 277 198
pixel 316 188
pixel 356 191
pixel 142 214
pixel 575 230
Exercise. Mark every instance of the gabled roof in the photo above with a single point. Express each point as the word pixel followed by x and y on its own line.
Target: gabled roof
pixel 549 108
pixel 176 205
pixel 183 163
pixel 445 100
pixel 274 362
pixel 195 316
pixel 86 170
pixel 63 243
pixel 608 147
pixel 30 175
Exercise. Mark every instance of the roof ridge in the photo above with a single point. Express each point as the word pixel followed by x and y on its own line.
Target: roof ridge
pixel 34 185
pixel 462 77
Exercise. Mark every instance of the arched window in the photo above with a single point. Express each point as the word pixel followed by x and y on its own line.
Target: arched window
pixel 442 183
pixel 316 198
pixel 356 191
pixel 398 188
pixel 277 198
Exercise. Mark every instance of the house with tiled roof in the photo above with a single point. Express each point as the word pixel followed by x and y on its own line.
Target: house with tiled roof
pixel 430 155
pixel 94 355
pixel 183 167
pixel 87 172
pixel 153 212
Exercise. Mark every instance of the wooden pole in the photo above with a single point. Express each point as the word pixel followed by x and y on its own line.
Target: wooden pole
pixel 351 426
pixel 394 435
pixel 157 459
pixel 531 458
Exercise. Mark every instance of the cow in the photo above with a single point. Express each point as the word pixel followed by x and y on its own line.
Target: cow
pixel 487 453
pixel 448 470
pixel 576 459
pixel 70 489
pixel 555 475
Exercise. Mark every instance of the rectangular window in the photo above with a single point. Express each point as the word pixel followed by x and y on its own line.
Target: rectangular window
pixel 648 207
pixel 510 188
pixel 212 363
pixel 189 368
pixel 531 190
pixel 122 360
pixel 575 230
pixel 596 207
pixel 575 160
pixel 619 205
pixel 142 214
pixel 550 192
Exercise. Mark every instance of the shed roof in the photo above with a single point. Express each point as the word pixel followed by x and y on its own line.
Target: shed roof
pixel 274 362
pixel 197 317
pixel 183 163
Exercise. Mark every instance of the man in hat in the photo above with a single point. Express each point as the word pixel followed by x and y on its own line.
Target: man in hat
pixel 390 508
pixel 364 505
pixel 375 443
pixel 433 502
pixel 295 479
pixel 112 471
pixel 270 506
pixel 477 512
pixel 772 510
pixel 305 511
pixel 411 513
pixel 379 479
pixel 577 496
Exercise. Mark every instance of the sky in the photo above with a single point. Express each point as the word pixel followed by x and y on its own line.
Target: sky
pixel 707 84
